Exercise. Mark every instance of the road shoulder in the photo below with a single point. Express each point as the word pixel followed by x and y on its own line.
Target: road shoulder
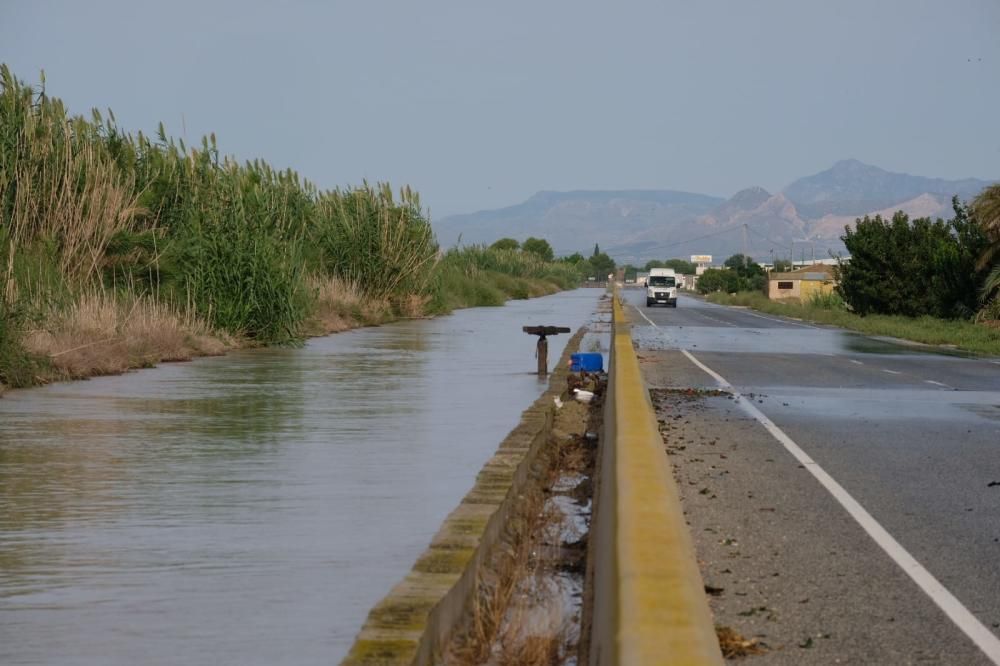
pixel 785 565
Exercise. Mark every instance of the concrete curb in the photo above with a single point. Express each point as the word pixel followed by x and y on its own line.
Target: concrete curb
pixel 649 599
pixel 414 621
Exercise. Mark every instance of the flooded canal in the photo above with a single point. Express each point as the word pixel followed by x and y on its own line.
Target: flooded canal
pixel 250 509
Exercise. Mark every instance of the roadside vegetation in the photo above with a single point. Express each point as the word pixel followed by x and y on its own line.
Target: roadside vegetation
pixel 962 333
pixel 739 273
pixel 120 250
pixel 934 282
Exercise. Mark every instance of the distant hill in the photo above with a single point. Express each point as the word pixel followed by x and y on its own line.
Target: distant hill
pixel 574 221
pixel 850 186
pixel 807 217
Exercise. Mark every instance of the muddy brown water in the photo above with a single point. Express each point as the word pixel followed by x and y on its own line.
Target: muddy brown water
pixel 250 509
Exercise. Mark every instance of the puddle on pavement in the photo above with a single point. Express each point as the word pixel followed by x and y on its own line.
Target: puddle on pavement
pixel 772 341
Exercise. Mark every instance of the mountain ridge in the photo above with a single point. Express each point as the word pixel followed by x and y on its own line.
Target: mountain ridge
pixel 640 224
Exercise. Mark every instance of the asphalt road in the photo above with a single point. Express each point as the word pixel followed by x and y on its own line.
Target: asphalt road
pixel 844 493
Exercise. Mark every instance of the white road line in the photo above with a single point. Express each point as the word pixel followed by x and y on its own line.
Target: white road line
pixel 645 317
pixel 931 381
pixel 856 362
pixel 892 372
pixel 984 639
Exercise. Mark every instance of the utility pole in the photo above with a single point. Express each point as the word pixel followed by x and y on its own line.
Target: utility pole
pixel 745 247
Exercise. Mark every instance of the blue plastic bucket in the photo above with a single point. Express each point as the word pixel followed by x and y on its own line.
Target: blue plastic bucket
pixel 590 362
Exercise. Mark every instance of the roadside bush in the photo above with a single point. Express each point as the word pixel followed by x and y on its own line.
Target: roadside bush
pixel 718 279
pixel 913 268
pixel 990 312
pixel 828 301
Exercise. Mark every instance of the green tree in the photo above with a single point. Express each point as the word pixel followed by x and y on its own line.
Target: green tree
pixel 574 258
pixel 913 268
pixel 743 265
pixel 586 269
pixel 985 210
pixel 603 265
pixel 629 270
pixel 506 244
pixel 681 266
pixel 718 279
pixel 538 246
pixel 782 265
pixel 653 263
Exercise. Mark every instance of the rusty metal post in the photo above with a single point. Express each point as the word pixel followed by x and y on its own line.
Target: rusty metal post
pixel 542 349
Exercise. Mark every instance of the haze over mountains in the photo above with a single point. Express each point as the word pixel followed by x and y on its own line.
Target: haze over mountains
pixel 806 219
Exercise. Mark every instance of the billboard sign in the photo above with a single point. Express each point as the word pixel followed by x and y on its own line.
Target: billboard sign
pixel 701 258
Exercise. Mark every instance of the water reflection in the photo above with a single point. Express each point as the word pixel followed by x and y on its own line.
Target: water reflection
pixel 251 508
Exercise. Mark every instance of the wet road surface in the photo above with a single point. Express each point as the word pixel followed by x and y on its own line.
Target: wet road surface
pixel 912 436
pixel 250 509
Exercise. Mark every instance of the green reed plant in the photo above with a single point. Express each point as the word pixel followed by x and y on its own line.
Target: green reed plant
pixel 86 206
pixel 58 184
pixel 239 254
pixel 367 238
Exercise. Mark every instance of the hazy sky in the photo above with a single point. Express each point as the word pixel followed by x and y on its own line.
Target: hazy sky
pixel 479 105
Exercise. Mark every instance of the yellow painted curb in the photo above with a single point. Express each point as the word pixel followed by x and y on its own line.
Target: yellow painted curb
pixel 650 604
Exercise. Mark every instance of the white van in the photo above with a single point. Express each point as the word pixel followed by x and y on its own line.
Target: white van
pixel 661 287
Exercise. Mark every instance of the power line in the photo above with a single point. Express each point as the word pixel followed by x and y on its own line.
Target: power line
pixel 769 240
pixel 698 238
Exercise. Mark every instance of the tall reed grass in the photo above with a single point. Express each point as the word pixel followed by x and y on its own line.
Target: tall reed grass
pixel 87 208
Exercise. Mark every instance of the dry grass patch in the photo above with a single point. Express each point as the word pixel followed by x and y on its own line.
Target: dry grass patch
pixel 734 645
pixel 101 333
pixel 340 305
pixel 512 562
pixel 413 306
pixel 518 614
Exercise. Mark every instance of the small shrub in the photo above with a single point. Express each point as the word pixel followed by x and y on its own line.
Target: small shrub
pixel 827 301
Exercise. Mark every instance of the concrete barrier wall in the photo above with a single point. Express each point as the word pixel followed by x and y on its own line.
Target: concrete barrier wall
pixel 414 621
pixel 649 599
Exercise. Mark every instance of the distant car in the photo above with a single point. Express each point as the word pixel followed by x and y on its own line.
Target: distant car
pixel 661 287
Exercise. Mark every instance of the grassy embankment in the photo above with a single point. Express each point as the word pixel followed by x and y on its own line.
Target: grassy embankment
pixel 119 251
pixel 962 334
